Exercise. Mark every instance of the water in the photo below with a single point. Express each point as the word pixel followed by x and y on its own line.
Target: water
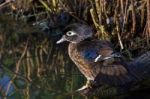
pixel 49 85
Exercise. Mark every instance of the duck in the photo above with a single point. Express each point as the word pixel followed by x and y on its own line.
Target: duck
pixel 99 62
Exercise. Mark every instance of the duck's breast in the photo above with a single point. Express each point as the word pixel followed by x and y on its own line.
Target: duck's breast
pixel 86 67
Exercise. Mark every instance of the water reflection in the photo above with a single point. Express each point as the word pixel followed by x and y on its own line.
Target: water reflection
pixel 5 86
pixel 53 83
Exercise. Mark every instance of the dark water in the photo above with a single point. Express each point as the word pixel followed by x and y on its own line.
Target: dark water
pixel 32 66
pixel 47 86
pixel 54 86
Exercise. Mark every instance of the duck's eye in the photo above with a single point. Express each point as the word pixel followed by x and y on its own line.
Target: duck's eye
pixel 70 33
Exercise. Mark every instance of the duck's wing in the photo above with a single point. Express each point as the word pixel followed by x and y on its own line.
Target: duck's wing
pixel 110 70
pixel 113 74
pixel 95 51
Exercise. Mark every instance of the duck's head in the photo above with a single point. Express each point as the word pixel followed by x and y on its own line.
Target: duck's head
pixel 76 33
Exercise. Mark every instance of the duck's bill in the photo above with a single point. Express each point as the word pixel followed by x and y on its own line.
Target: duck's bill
pixel 61 40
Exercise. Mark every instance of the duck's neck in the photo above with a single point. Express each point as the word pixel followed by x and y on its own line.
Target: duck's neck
pixel 72 46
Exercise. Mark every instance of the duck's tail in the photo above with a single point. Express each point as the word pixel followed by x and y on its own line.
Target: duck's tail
pixel 140 67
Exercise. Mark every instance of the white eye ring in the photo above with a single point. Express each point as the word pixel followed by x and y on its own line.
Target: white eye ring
pixel 70 33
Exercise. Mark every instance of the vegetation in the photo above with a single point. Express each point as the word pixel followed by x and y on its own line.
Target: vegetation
pixel 30 28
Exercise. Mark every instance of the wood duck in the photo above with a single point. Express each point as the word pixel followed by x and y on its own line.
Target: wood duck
pixel 97 60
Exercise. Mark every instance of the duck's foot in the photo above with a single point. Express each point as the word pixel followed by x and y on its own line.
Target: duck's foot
pixel 87 85
pixel 83 88
pixel 86 89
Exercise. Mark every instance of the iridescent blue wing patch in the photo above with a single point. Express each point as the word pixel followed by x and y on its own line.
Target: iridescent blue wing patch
pixel 89 54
